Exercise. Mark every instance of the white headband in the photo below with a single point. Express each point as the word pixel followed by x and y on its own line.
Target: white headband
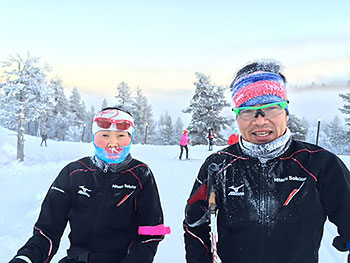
pixel 113 115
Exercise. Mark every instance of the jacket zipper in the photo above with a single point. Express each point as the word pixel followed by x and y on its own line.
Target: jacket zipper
pixel 103 199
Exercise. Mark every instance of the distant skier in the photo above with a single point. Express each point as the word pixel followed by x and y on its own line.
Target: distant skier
pixel 43 139
pixel 110 201
pixel 273 193
pixel 210 138
pixel 234 138
pixel 183 143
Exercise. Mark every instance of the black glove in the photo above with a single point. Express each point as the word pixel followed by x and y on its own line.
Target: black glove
pixel 17 260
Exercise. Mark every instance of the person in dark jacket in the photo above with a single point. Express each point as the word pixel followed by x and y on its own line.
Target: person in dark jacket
pixel 43 139
pixel 273 193
pixel 110 201
pixel 210 138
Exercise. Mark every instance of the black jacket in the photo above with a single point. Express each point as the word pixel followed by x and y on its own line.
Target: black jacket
pixel 104 209
pixel 269 213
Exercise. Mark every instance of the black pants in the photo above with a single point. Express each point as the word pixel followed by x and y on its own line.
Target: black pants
pixel 182 149
pixel 43 141
pixel 210 144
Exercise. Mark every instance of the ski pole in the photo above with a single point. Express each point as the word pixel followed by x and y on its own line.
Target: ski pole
pixel 213 168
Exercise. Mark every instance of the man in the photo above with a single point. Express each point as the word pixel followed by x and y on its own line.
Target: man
pixel 273 193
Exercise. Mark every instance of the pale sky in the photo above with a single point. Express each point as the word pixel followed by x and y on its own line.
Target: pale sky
pixel 159 45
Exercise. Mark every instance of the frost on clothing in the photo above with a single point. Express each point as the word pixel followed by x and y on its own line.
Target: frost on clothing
pixel 107 210
pixel 269 212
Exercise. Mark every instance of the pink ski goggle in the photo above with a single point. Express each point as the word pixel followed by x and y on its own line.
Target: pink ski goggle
pixel 106 123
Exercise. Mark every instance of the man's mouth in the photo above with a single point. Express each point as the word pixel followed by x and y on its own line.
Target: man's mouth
pixel 262 133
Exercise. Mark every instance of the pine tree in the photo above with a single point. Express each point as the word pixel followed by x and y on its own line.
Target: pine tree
pixel 143 118
pixel 297 127
pixel 104 104
pixel 166 130
pixel 178 127
pixel 76 116
pixel 124 96
pixel 88 124
pixel 58 124
pixel 26 95
pixel 337 136
pixel 346 107
pixel 206 106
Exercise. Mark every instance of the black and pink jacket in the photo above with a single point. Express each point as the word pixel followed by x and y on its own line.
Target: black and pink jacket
pixel 117 213
pixel 273 212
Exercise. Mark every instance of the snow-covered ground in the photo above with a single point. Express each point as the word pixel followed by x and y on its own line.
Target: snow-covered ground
pixel 24 185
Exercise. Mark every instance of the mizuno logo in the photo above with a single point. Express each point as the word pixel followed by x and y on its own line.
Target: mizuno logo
pixel 84 191
pixel 236 190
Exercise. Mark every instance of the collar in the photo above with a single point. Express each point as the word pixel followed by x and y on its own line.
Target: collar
pixel 267 151
pixel 114 168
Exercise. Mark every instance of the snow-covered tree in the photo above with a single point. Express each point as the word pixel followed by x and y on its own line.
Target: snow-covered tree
pixel 165 130
pixel 297 127
pixel 178 127
pixel 76 115
pixel 143 117
pixel 206 106
pixel 26 95
pixel 58 123
pixel 104 104
pixel 88 125
pixel 338 136
pixel 346 107
pixel 124 96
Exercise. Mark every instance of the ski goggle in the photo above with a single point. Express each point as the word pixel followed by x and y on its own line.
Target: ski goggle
pixel 268 111
pixel 105 123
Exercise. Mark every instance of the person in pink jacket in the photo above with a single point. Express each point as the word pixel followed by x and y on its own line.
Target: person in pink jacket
pixel 183 143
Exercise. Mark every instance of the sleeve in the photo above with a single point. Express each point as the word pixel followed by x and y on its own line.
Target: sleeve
pixel 49 228
pixel 151 229
pixel 196 223
pixel 334 187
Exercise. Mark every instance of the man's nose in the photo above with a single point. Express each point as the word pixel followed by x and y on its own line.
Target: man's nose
pixel 259 118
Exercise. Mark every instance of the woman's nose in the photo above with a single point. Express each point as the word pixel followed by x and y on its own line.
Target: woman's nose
pixel 113 142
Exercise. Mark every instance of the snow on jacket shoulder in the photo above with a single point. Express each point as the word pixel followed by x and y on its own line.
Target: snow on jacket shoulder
pixel 107 213
pixel 273 212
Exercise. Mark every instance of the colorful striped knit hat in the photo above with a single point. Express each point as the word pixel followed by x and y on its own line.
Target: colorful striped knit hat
pixel 259 83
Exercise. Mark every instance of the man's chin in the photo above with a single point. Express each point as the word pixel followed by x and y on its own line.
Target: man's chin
pixel 261 139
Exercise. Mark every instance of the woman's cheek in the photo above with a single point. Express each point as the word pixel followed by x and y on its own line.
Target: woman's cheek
pixel 100 142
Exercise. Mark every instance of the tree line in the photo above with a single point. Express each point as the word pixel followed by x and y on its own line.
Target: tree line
pixel 32 103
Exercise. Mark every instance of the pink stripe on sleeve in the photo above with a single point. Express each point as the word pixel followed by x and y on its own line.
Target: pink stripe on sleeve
pixel 158 230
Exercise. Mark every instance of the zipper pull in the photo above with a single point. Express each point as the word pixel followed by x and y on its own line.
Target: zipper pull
pixel 105 169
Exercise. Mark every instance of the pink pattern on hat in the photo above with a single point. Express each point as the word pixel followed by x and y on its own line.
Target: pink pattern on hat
pixel 259 88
